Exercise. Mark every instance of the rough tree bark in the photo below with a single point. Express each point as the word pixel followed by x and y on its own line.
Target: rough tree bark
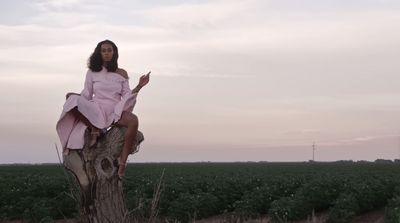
pixel 95 169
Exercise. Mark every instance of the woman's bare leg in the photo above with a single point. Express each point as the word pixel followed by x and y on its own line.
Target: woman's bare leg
pixel 130 121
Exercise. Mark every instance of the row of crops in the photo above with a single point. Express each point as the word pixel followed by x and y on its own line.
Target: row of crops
pixel 282 191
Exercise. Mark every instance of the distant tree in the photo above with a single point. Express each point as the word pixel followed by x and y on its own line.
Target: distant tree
pixel 363 161
pixel 344 161
pixel 383 161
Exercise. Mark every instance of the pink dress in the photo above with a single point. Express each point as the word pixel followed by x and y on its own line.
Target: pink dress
pixel 104 97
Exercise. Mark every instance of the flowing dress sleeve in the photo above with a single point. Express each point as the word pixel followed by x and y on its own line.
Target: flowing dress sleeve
pixel 70 130
pixel 87 91
pixel 128 101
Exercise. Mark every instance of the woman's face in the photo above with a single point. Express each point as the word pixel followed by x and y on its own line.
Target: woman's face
pixel 107 52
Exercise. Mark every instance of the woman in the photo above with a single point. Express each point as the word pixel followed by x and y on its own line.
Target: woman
pixel 105 100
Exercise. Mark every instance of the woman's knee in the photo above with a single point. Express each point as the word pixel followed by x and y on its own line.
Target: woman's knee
pixel 132 119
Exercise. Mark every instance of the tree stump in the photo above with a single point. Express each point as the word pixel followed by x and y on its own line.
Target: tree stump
pixel 95 169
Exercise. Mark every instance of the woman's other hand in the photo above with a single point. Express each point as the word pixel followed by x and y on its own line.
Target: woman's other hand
pixel 69 94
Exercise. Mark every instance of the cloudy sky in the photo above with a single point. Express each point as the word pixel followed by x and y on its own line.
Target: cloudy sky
pixel 232 80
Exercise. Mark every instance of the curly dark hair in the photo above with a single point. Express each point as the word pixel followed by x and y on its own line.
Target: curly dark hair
pixel 95 61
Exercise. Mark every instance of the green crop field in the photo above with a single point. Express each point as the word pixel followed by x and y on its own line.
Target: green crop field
pixel 282 191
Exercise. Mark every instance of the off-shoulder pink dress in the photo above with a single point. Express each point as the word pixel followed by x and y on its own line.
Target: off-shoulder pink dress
pixel 104 97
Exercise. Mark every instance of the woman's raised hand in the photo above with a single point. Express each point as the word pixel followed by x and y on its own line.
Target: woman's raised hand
pixel 144 80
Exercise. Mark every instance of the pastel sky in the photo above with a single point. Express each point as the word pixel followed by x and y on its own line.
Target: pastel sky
pixel 232 80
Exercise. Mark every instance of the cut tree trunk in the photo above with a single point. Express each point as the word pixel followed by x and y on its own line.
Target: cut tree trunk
pixel 95 169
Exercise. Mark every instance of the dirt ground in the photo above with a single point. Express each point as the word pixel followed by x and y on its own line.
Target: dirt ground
pixel 376 216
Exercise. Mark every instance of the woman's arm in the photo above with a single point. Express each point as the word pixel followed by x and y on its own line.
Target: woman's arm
pixel 142 82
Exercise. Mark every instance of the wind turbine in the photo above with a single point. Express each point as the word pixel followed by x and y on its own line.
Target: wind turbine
pixel 313 151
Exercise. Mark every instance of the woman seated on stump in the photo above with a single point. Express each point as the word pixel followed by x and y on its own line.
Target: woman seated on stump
pixel 105 100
